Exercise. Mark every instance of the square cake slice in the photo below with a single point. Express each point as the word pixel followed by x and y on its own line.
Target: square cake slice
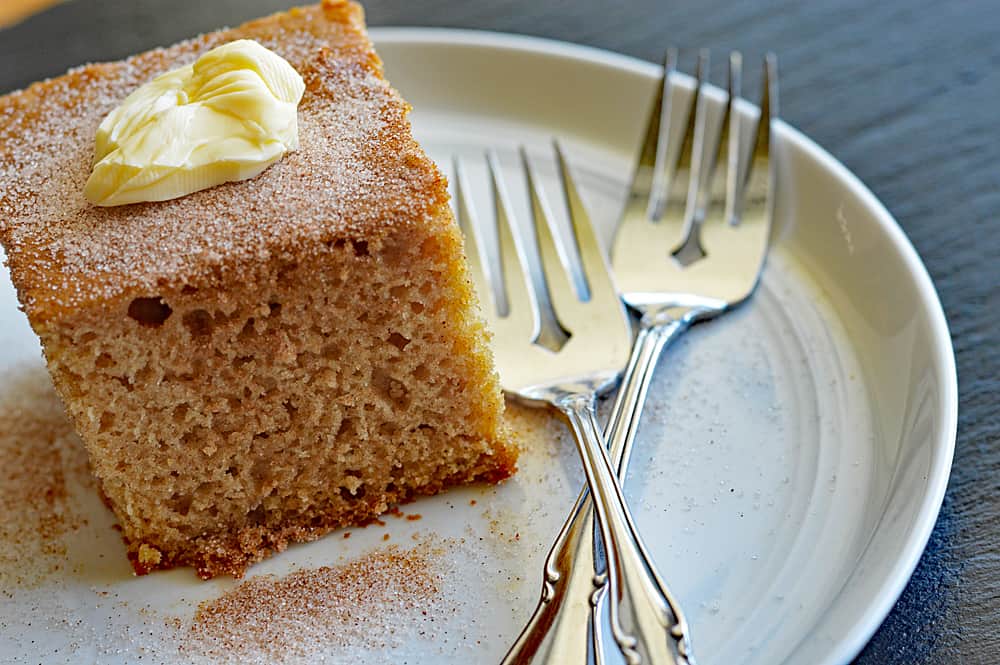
pixel 260 362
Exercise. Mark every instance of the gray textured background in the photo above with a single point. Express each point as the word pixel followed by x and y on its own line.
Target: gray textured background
pixel 905 92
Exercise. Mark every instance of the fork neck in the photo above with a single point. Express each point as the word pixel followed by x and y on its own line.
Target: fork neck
pixel 576 395
pixel 576 402
pixel 681 316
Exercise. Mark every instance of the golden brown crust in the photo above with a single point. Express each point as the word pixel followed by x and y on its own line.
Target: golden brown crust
pixel 65 254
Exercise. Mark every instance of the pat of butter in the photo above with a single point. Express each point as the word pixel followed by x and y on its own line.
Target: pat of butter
pixel 227 117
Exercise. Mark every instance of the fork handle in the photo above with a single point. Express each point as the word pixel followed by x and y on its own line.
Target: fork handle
pixel 554 634
pixel 643 622
pixel 574 585
pixel 574 590
pixel 657 330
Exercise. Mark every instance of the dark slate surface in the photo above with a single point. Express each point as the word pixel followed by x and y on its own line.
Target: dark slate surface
pixel 905 92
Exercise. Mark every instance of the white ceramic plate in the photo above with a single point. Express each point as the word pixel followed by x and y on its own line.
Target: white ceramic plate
pixel 787 475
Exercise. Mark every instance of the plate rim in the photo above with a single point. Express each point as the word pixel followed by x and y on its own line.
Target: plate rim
pixel 942 454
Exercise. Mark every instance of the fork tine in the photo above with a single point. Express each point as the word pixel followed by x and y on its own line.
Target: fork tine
pixel 654 147
pixel 700 163
pixel 472 242
pixel 659 115
pixel 668 188
pixel 562 295
pixel 592 255
pixel 691 129
pixel 731 138
pixel 706 154
pixel 768 105
pixel 760 151
pixel 660 175
pixel 522 304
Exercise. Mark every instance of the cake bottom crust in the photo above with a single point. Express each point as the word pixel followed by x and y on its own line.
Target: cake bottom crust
pixel 233 553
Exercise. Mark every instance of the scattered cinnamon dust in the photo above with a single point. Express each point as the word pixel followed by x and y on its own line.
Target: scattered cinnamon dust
pixel 308 613
pixel 385 536
pixel 414 517
pixel 39 451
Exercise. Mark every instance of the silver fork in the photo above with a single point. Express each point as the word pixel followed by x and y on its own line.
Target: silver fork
pixel 681 260
pixel 690 245
pixel 589 363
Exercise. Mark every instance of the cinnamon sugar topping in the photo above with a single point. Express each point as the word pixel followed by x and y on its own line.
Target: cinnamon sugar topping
pixel 354 141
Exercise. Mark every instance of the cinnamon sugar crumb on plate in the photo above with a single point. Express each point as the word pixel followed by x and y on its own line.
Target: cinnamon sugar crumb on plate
pixel 307 612
pixel 39 454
